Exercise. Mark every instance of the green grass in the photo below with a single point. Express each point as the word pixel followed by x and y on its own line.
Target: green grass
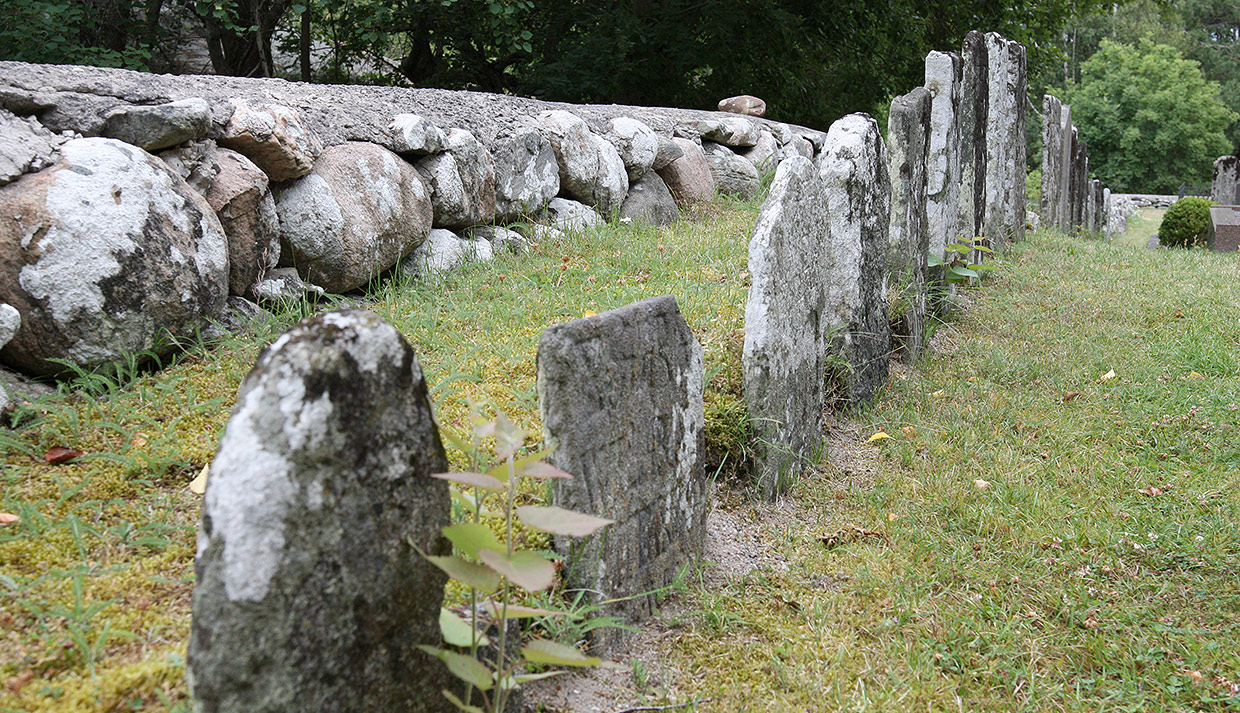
pixel 1141 226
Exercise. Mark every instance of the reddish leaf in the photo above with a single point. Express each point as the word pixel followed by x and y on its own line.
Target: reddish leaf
pixel 525 569
pixel 8 518
pixel 478 480
pixel 560 521
pixel 59 454
pixel 540 469
pixel 1069 396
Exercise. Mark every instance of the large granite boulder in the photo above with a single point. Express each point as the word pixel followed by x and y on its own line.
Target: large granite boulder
pixel 649 201
pixel 733 174
pixel 359 211
pixel 591 170
pixel 444 250
pixel 908 137
pixel 689 177
pixel 106 254
pixel 311 593
pixel 412 135
pixel 853 168
pixel 25 146
pixel 273 137
pixel 785 327
pixel 462 182
pixel 637 143
pixel 570 216
pixel 161 125
pixel 621 401
pixel 527 175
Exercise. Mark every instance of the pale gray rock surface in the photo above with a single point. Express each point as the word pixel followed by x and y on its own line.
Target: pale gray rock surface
pixel 161 125
pixel 311 593
pixel 689 177
pixel 621 396
pixel 25 146
pixel 743 104
pixel 501 239
pixel 732 173
pixel 570 216
pixel 944 82
pixel 974 113
pixel 1052 159
pixel 649 201
pixel 1226 178
pixel 10 322
pixel 242 200
pixel 283 283
pixel 196 162
pixel 637 144
pixel 733 131
pixel 908 134
pixel 764 155
pixel 105 254
pixel 461 180
pixel 274 137
pixel 785 325
pixel 444 250
pixel 414 135
pixel 799 146
pixel 1004 205
pixel 669 151
pixel 527 175
pixel 360 210
pixel 853 168
pixel 591 170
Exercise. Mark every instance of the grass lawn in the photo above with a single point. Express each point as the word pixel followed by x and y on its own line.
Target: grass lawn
pixel 1098 570
pixel 1141 225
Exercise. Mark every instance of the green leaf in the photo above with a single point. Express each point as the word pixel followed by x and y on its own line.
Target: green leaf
pixel 962 271
pixel 983 249
pixel 551 653
pixel 458 632
pixel 497 611
pixel 508 438
pixel 477 480
pixel 468 669
pixel 469 537
pixel 560 521
pixel 481 578
pixel 958 248
pixel 460 705
pixel 527 570
pixel 933 260
pixel 465 499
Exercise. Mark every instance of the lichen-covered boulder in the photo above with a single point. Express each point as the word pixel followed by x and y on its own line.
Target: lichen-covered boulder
pixel 10 322
pixel 105 254
pixel 355 215
pixel 283 283
pixel 411 134
pixel 159 126
pixel 311 593
pixel 273 137
pixel 649 201
pixel 462 181
pixel 764 155
pixel 733 174
pixel 563 214
pixel 669 151
pixel 25 146
pixel 735 131
pixel 527 175
pixel 501 239
pixel 444 250
pixel 591 170
pixel 637 143
pixel 242 200
pixel 689 177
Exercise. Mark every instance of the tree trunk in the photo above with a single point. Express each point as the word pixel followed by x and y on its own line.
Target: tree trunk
pixel 304 45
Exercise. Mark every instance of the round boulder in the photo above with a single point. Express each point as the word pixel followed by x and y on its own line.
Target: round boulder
pixel 462 182
pixel 355 215
pixel 105 254
pixel 526 175
pixel 591 169
pixel 637 143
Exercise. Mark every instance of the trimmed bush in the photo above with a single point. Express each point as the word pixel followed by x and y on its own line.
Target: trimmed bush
pixel 1186 223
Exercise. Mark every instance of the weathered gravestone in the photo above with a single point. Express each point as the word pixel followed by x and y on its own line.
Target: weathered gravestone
pixel 908 134
pixel 621 401
pixel 944 82
pixel 1004 206
pixel 974 111
pixel 1226 180
pixel 1224 229
pixel 311 595
pixel 853 168
pixel 1078 181
pixel 1053 199
pixel 786 325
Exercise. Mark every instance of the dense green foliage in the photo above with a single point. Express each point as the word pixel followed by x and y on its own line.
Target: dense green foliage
pixel 1150 118
pixel 1186 223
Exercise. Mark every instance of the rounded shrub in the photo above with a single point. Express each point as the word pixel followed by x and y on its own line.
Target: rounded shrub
pixel 1186 223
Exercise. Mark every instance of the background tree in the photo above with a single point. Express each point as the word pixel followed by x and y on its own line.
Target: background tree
pixel 1150 117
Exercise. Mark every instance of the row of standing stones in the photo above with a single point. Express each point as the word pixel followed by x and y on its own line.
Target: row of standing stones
pixel 309 591
pixel 1070 199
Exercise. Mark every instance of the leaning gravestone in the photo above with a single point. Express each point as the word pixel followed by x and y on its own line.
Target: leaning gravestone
pixel 621 400
pixel 311 594
pixel 908 133
pixel 786 325
pixel 1226 180
pixel 853 168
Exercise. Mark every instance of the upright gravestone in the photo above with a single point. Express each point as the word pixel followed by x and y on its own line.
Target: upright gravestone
pixel 1226 180
pixel 908 133
pixel 1079 177
pixel 974 111
pixel 1096 199
pixel 943 81
pixel 1108 226
pixel 621 400
pixel 1091 208
pixel 1052 158
pixel 1064 191
pixel 1019 68
pixel 1005 138
pixel 853 168
pixel 311 594
pixel 785 325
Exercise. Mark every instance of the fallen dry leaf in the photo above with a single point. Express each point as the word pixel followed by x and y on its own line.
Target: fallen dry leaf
pixel 909 431
pixel 1069 396
pixel 981 484
pixel 138 440
pixel 588 313
pixel 16 683
pixel 8 518
pixel 59 454
pixel 1107 376
pixel 198 485
pixel 878 437
pixel 937 394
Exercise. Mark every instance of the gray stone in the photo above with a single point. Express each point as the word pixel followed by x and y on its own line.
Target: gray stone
pixel 1051 206
pixel 693 129
pixel 649 201
pixel 239 315
pixel 783 133
pixel 25 146
pixel 853 167
pixel 669 151
pixel 501 239
pixel 1078 181
pixel 764 155
pixel 197 163
pixel 462 182
pixel 732 173
pixel 908 133
pixel 311 593
pixel 731 131
pixel 282 284
pixel 943 81
pixel 1108 223
pixel 1003 217
pixel 159 126
pixel 571 216
pixel 242 200
pixel 974 112
pixel 799 146
pixel 637 144
pixel 414 135
pixel 273 137
pixel 1226 180
pixel 1063 193
pixel 106 254
pixel 743 104
pixel 10 322
pixel 785 326
pixel 591 170
pixel 539 233
pixel 621 401
pixel 689 177
pixel 526 175
pixel 360 210
pixel 444 251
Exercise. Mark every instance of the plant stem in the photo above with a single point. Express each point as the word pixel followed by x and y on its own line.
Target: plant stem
pixel 501 695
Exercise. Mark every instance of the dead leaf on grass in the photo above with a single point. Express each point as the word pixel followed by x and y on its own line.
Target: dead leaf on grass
pixel 981 484
pixel 59 454
pixel 1069 396
pixel 849 535
pixel 878 437
pixel 8 518
pixel 198 485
